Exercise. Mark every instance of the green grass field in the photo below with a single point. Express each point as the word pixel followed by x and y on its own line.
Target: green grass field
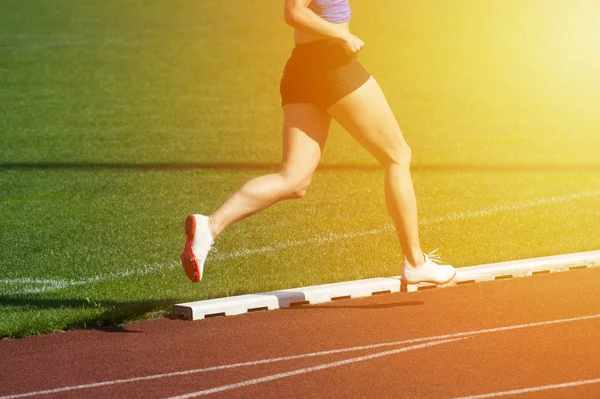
pixel 120 118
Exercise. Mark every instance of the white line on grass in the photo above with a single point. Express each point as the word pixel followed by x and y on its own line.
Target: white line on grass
pixel 311 369
pixel 49 285
pixel 30 285
pixel 28 280
pixel 313 241
pixel 426 221
pixel 533 389
pixel 465 334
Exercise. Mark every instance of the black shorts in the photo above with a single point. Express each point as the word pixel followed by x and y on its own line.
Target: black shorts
pixel 320 73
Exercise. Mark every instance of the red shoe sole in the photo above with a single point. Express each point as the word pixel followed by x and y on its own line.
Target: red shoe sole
pixel 188 259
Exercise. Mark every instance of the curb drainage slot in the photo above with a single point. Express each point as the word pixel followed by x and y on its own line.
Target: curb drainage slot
pixel 503 277
pixel 296 304
pixel 260 309
pixel 465 282
pixel 381 292
pixel 427 287
pixel 540 272
pixel 577 267
pixel 339 298
pixel 214 315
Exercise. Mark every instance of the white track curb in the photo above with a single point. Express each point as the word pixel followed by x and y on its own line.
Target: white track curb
pixel 360 288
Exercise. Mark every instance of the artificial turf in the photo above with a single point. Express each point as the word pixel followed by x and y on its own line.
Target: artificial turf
pixel 120 118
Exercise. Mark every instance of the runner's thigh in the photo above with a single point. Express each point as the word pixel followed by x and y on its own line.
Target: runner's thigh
pixel 367 116
pixel 305 131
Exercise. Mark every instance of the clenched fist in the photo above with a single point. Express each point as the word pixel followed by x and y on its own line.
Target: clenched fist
pixel 352 44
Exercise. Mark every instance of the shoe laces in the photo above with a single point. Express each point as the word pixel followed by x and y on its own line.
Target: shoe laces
pixel 434 257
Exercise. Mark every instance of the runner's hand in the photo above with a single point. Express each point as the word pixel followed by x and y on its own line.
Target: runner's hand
pixel 352 44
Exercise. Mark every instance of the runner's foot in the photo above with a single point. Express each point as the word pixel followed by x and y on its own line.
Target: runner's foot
pixel 432 271
pixel 197 245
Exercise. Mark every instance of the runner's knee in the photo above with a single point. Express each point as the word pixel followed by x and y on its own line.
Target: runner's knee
pixel 401 155
pixel 295 188
pixel 299 190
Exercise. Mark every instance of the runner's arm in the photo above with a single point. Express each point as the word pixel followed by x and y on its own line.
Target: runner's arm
pixel 299 16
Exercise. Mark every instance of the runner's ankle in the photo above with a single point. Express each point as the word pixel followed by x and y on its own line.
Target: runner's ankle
pixel 212 227
pixel 415 264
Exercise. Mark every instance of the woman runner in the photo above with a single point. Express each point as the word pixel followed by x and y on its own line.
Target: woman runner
pixel 323 80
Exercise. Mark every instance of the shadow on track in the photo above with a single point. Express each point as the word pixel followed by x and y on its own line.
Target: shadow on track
pixel 107 316
pixel 166 166
pixel 372 306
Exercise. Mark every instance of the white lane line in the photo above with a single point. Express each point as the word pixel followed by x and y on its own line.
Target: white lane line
pixel 30 285
pixel 425 221
pixel 311 369
pixel 316 241
pixel 301 356
pixel 512 207
pixel 48 285
pixel 533 389
pixel 28 280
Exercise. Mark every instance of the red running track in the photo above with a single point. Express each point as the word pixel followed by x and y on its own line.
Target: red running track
pixel 484 338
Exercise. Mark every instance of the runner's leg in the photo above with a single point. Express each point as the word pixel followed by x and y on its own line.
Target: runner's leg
pixel 367 116
pixel 305 131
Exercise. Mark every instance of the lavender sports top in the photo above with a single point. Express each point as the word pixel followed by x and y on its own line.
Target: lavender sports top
pixel 334 11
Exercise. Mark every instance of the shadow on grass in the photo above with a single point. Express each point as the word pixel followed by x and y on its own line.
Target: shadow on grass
pixel 370 306
pixel 162 166
pixel 107 316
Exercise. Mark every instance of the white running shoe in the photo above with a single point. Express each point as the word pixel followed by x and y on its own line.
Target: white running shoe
pixel 428 272
pixel 197 245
